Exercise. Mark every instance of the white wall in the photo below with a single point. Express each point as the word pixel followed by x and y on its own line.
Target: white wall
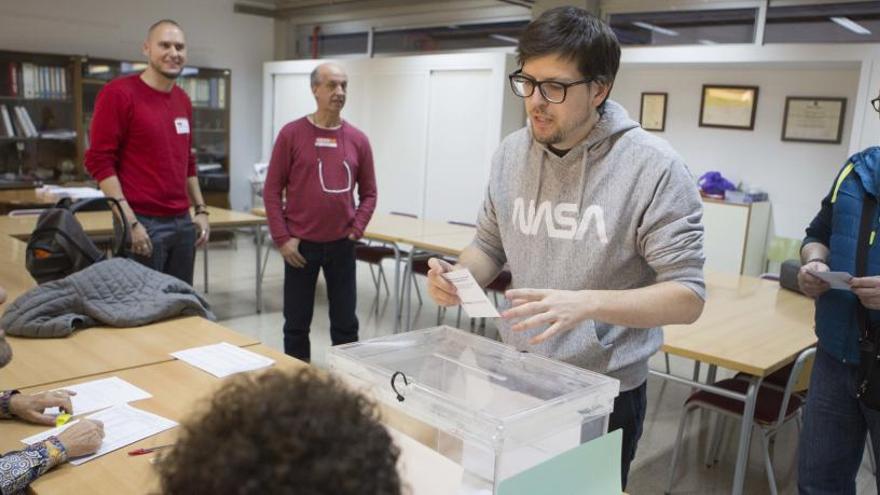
pixel 216 36
pixel 796 175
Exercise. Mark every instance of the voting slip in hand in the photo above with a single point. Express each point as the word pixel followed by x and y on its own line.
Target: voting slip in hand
pixel 837 280
pixel 473 300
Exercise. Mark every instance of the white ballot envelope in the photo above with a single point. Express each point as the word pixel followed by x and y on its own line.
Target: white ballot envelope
pixel 837 280
pixel 473 300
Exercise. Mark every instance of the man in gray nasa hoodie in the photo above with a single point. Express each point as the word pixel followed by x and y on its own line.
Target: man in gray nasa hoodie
pixel 599 221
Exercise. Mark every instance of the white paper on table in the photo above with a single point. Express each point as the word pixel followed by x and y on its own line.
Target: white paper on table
pixel 123 425
pixel 223 359
pixel 473 300
pixel 101 394
pixel 837 280
pixel 424 470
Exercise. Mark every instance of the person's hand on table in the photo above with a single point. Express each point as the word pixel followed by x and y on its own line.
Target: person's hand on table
pixel 868 290
pixel 810 284
pixel 30 407
pixel 141 244
pixel 560 309
pixel 82 438
pixel 441 290
pixel 290 253
pixel 203 229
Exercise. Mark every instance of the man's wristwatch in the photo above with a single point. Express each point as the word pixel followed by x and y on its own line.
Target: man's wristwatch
pixel 201 210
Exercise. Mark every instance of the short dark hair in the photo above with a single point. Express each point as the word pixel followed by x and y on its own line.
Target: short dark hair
pixel 577 35
pixel 279 433
pixel 160 22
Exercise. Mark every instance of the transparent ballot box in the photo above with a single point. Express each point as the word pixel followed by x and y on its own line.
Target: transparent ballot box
pixel 484 405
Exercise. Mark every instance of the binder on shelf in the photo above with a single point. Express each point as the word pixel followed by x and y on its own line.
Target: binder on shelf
pixel 28 79
pixel 8 130
pixel 27 125
pixel 221 93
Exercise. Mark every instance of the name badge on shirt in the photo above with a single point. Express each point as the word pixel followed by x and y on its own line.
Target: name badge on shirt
pixel 325 142
pixel 182 125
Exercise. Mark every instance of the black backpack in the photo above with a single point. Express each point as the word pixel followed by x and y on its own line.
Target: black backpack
pixel 59 246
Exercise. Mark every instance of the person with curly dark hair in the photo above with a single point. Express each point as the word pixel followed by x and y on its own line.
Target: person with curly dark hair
pixel 300 433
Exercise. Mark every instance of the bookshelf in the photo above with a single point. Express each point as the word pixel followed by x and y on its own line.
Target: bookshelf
pixel 38 106
pixel 209 91
pixel 46 106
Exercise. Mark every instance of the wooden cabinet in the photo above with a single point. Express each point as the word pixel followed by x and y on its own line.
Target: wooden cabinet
pixel 209 92
pixel 736 236
pixel 38 101
pixel 46 107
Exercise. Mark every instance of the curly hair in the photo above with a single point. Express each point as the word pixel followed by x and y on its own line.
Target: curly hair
pixel 278 432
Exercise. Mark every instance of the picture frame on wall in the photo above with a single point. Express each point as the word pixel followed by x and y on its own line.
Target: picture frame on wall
pixel 652 113
pixel 814 119
pixel 729 107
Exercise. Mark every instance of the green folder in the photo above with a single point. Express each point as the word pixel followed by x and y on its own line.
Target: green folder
pixel 591 468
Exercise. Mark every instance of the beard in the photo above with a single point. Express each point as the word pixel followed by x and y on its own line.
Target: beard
pixel 559 133
pixel 5 351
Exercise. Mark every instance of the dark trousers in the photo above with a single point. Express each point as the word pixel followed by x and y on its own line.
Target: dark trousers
pixel 835 426
pixel 174 245
pixel 629 414
pixel 338 262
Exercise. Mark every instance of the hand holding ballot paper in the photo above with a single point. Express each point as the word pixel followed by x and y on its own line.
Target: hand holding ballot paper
pixel 867 289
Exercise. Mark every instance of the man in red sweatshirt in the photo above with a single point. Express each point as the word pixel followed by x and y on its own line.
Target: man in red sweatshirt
pixel 141 155
pixel 309 196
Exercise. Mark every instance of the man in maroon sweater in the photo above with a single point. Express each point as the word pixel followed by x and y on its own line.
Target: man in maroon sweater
pixel 141 155
pixel 313 219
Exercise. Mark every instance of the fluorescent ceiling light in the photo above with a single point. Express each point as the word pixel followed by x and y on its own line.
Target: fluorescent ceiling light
pixel 707 42
pixel 501 37
pixel 846 22
pixel 656 29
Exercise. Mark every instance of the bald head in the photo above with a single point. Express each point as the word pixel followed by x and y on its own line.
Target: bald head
pixel 165 49
pixel 327 69
pixel 329 85
pixel 161 23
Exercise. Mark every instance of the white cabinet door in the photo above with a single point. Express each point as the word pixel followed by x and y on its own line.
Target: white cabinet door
pixel 397 135
pixel 725 236
pixel 293 99
pixel 459 145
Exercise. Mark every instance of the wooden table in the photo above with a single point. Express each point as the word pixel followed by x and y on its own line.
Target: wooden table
pixel 16 199
pixel 102 349
pixel 178 390
pixel 396 230
pixel 101 223
pixel 748 325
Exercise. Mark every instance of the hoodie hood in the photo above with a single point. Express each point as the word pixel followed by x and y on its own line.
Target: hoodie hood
pixel 613 122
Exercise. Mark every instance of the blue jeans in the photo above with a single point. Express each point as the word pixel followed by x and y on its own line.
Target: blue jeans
pixel 835 423
pixel 174 245
pixel 337 260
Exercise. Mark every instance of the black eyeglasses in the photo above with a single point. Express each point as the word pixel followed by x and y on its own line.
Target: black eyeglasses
pixel 552 91
pixel 876 104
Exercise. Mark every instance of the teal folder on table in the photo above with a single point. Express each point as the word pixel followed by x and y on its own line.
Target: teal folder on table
pixel 592 468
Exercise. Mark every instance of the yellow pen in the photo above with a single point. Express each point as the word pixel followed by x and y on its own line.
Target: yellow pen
pixel 61 419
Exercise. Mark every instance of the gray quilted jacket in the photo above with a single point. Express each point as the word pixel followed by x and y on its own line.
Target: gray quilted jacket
pixel 117 292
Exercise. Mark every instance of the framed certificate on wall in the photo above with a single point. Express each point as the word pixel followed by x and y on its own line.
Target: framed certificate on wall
pixel 652 114
pixel 813 119
pixel 728 107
